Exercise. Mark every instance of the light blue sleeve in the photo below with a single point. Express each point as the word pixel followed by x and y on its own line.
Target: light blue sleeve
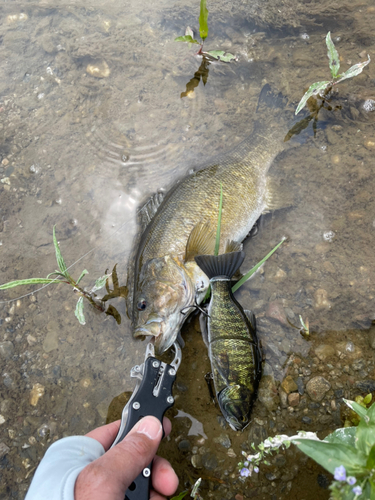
pixel 56 474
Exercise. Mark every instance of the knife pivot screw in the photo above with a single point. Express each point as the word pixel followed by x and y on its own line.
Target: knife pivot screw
pixel 170 399
pixel 172 372
pixel 155 364
pixel 136 405
pixel 146 472
pixel 137 368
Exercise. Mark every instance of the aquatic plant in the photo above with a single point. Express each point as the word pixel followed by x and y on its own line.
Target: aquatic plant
pixel 323 88
pixel 203 32
pixel 194 492
pixel 63 276
pixel 348 453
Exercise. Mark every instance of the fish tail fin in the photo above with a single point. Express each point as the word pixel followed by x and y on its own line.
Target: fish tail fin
pixel 220 265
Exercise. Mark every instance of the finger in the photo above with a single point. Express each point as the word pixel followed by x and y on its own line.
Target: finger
pixel 164 478
pixel 105 434
pixel 155 496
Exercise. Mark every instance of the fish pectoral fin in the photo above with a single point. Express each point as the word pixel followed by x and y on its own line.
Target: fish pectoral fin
pixel 232 246
pixel 277 195
pixel 251 317
pixel 201 241
pixel 149 209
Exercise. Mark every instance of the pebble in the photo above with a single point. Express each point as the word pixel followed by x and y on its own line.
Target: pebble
pixel 209 461
pixel 224 440
pixel 293 399
pixel 306 420
pixel 275 310
pixel 4 449
pixel 317 387
pixel 289 385
pixel 51 341
pixel 98 70
pixel 231 453
pixel 267 393
pixel 283 398
pixel 6 349
pixel 279 460
pixel 321 299
pixel 184 445
pixel 257 434
pixel 300 385
pixel 324 351
pixel 36 393
pixel 350 350
pixel 366 385
pixel 2 419
pixel 196 461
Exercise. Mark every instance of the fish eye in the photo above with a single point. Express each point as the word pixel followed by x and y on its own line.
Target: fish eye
pixel 141 306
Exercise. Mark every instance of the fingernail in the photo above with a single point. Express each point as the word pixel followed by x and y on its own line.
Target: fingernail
pixel 150 426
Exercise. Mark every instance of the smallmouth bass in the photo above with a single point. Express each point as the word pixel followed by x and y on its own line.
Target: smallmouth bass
pixel 164 278
pixel 232 342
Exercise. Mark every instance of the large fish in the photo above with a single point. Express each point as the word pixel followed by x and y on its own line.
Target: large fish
pixel 164 278
pixel 231 340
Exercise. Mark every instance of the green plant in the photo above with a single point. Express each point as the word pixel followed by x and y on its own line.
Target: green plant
pixel 323 88
pixel 203 32
pixel 348 453
pixel 194 492
pixel 63 276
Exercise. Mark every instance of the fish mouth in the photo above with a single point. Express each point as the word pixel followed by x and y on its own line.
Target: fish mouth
pixel 162 342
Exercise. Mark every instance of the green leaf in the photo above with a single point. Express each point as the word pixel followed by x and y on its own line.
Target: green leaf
pixel 79 311
pixel 360 410
pixel 30 281
pixel 370 464
pixel 255 268
pixel 333 56
pixel 365 436
pixel 189 31
pixel 181 495
pixel 345 435
pixel 57 274
pixel 314 89
pixel 203 26
pixel 186 38
pixel 218 229
pixel 220 54
pixel 83 273
pixel 353 71
pixel 100 282
pixel 332 455
pixel 59 258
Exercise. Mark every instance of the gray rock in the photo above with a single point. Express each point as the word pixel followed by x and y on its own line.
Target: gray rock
pixel 224 440
pixel 301 386
pixel 257 434
pixel 184 445
pixel 317 388
pixel 272 476
pixel 196 461
pixel 267 393
pixel 324 351
pixel 4 449
pixel 359 364
pixel 51 341
pixel 222 422
pixel 366 385
pixel 306 420
pixel 209 461
pixel 283 398
pixel 6 349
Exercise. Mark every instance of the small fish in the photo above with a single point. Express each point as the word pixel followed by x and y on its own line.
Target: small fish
pixel 163 277
pixel 232 342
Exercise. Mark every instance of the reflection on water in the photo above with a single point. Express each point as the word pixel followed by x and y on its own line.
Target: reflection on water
pixel 82 149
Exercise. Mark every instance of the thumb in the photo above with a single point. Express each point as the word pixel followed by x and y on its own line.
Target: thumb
pixel 109 476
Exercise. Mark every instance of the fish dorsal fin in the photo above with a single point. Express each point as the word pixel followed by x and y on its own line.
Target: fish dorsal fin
pixel 220 265
pixel 149 209
pixel 232 246
pixel 251 317
pixel 201 241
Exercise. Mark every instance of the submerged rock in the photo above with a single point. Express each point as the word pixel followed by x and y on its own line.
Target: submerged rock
pixel 317 388
pixel 267 393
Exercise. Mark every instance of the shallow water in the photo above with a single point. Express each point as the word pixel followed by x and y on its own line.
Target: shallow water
pixel 83 152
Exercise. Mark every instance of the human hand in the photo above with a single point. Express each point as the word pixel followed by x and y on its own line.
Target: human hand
pixel 108 477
